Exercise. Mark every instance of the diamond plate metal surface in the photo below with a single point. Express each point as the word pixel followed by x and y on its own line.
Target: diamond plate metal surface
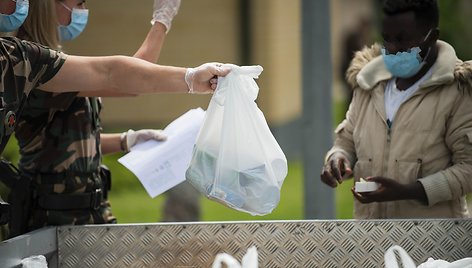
pixel 321 244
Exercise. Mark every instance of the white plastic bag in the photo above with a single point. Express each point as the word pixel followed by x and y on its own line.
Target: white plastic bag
pixel 432 263
pixel 407 262
pixel 236 159
pixel 249 260
pixel 37 261
pixel 391 259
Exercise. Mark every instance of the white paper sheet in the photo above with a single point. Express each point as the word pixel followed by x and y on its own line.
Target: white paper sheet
pixel 160 166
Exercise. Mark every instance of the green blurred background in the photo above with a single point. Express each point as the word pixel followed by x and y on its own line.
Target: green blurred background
pixel 131 203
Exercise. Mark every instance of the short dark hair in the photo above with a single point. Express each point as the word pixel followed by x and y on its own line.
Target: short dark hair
pixel 426 11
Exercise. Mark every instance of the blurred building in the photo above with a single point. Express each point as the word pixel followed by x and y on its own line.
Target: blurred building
pixel 243 32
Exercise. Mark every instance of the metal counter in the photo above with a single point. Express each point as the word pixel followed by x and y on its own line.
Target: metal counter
pixel 326 243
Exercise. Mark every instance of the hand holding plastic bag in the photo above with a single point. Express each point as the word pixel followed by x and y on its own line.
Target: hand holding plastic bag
pixel 236 159
pixel 201 79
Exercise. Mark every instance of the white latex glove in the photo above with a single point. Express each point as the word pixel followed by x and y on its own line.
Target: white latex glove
pixel 165 11
pixel 135 137
pixel 204 78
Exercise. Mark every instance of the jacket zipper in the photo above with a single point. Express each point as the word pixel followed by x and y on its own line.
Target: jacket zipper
pixel 383 210
pixel 419 174
pixel 389 131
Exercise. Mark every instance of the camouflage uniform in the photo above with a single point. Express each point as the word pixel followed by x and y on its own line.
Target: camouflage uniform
pixel 59 139
pixel 24 66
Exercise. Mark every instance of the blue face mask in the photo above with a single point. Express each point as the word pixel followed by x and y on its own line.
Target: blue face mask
pixel 405 64
pixel 79 18
pixel 10 23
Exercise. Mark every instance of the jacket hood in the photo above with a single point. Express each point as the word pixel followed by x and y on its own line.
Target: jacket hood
pixel 463 74
pixel 367 68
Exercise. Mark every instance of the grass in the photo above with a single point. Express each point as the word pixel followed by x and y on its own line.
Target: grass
pixel 132 206
pixel 131 203
pixel 124 204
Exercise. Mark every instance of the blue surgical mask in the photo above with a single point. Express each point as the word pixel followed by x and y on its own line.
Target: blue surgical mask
pixel 79 18
pixel 405 64
pixel 10 23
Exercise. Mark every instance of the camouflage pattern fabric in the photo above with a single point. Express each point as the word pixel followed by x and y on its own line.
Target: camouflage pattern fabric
pixel 24 66
pixel 64 126
pixel 59 140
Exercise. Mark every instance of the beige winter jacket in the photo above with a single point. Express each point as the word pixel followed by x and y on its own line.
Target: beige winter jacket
pixel 430 140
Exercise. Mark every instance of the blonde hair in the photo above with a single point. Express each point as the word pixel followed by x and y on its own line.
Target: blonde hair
pixel 41 24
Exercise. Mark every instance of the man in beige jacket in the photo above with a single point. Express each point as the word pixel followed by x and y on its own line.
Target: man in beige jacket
pixel 409 125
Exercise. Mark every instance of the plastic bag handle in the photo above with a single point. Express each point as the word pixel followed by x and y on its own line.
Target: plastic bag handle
pixel 249 260
pixel 391 259
pixel 228 260
pixel 252 71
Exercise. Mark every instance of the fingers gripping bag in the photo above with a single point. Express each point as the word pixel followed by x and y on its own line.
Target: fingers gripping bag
pixel 236 159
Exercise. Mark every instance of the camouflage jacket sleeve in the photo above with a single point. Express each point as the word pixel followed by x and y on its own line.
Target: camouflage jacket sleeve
pixel 45 62
pixel 27 65
pixel 23 66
